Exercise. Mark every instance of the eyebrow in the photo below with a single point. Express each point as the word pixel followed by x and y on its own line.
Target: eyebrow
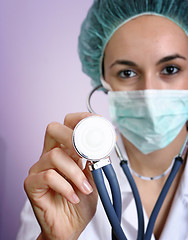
pixel 124 62
pixel 133 64
pixel 169 58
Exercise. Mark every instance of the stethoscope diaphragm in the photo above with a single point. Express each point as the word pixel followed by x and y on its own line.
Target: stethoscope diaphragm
pixel 94 138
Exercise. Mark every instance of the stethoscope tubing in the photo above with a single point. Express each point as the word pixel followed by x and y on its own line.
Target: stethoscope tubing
pixel 114 186
pixel 177 164
pixel 114 211
pixel 116 198
pixel 124 165
pixel 107 204
pixel 116 193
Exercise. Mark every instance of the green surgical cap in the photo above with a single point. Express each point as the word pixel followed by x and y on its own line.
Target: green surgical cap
pixel 106 16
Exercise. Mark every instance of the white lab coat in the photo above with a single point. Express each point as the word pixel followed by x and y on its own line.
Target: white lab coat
pixel 176 226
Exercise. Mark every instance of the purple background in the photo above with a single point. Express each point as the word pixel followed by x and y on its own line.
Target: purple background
pixel 40 81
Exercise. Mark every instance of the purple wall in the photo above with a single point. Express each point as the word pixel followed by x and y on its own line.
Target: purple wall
pixel 40 81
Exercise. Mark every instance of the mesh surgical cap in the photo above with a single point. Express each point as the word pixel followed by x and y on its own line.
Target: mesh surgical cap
pixel 106 16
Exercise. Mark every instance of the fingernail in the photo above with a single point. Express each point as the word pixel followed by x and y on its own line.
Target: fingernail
pixel 74 198
pixel 87 187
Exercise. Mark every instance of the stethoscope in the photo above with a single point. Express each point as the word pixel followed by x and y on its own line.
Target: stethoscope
pixel 94 138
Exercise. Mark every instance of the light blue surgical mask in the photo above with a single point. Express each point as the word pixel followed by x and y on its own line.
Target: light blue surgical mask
pixel 149 119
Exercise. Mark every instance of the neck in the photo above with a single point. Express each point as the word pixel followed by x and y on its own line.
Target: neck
pixel 155 163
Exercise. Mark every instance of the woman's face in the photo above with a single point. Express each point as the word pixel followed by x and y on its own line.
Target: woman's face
pixel 149 52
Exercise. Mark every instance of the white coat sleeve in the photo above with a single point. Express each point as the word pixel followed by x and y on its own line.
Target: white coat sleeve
pixel 29 227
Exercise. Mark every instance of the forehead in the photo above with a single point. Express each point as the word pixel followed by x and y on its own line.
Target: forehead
pixel 147 31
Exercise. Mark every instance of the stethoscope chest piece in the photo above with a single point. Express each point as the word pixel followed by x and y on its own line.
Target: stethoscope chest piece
pixel 94 138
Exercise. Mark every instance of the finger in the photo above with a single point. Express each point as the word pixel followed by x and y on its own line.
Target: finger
pixel 37 185
pixel 72 119
pixel 58 160
pixel 56 134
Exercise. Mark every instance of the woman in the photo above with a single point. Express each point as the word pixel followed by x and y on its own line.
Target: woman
pixel 140 50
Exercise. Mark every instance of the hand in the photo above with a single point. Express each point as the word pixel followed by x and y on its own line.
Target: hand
pixel 63 197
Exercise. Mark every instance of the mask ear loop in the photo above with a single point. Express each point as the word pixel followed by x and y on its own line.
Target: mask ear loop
pixel 106 85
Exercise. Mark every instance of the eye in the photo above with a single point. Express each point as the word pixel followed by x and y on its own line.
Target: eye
pixel 170 70
pixel 127 74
